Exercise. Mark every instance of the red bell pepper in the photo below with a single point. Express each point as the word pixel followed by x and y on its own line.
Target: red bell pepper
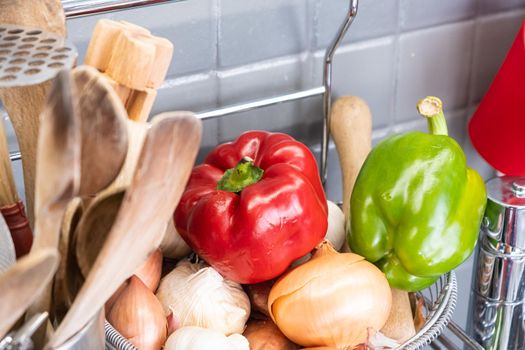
pixel 254 206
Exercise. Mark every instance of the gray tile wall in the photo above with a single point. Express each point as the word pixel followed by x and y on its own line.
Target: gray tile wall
pixel 397 51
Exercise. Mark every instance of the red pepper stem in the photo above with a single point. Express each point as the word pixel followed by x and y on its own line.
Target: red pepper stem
pixel 431 108
pixel 243 175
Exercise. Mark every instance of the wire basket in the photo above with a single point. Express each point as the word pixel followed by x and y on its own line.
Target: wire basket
pixel 439 303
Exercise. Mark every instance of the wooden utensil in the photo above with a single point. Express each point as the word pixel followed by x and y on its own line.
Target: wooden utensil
pixel 104 130
pixel 57 175
pixel 94 228
pixel 24 104
pixel 21 283
pixel 164 166
pixel 11 207
pixel 351 127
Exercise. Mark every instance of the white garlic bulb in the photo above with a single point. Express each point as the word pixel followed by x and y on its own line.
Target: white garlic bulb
pixel 199 296
pixel 335 233
pixel 197 338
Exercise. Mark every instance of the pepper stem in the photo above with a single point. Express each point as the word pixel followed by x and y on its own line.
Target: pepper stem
pixel 243 175
pixel 432 108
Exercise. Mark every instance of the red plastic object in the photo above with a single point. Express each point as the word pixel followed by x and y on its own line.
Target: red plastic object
pixel 497 129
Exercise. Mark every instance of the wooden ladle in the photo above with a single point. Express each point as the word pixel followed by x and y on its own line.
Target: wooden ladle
pixel 164 166
pixel 22 282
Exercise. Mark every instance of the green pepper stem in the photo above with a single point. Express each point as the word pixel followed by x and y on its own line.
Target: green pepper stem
pixel 432 108
pixel 243 175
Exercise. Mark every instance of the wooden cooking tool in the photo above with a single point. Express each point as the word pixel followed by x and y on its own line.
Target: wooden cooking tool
pixel 351 127
pixel 164 166
pixel 94 227
pixel 133 60
pixel 24 104
pixel 57 176
pixel 22 282
pixel 65 274
pixel 104 131
pixel 11 207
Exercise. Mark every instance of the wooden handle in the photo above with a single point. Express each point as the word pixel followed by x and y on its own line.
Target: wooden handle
pixel 400 323
pixel 351 128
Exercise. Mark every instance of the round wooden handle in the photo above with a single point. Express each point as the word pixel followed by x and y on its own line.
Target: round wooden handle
pixel 351 128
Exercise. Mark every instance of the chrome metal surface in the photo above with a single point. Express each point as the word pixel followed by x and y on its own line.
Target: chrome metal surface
pixel 30 56
pixel 79 8
pixel 16 155
pixel 243 107
pixel 496 311
pixel 327 83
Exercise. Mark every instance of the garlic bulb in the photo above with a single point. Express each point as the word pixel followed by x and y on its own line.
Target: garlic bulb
pixel 199 296
pixel 150 271
pixel 172 245
pixel 331 300
pixel 335 233
pixel 197 338
pixel 139 317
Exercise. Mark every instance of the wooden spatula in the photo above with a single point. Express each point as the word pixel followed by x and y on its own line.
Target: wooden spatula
pixel 22 282
pixel 163 169
pixel 24 104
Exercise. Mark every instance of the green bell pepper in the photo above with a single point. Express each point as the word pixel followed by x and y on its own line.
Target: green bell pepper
pixel 416 207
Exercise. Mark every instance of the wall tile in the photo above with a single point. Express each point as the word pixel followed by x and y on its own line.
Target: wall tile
pixel 424 13
pixel 365 69
pixel 251 31
pixel 491 6
pixel 190 25
pixel 374 18
pixel 494 37
pixel 434 62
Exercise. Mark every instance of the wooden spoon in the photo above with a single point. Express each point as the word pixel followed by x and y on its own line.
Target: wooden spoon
pixel 104 130
pixel 94 228
pixel 57 176
pixel 22 282
pixel 164 166
pixel 24 104
pixel 351 127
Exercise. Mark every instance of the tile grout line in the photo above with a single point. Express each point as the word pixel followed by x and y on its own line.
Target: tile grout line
pixel 395 75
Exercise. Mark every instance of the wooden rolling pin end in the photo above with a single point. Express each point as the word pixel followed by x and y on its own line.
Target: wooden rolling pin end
pixel 400 323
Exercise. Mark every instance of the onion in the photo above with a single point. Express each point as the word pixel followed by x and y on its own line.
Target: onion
pixel 331 300
pixel 264 335
pixel 258 294
pixel 173 246
pixel 139 317
pixel 150 271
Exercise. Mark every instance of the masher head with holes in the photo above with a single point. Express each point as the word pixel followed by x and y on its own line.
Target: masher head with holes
pixel 30 56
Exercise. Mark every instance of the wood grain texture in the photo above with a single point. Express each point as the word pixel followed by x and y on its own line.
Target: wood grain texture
pixel 400 323
pixel 164 166
pixel 23 104
pixel 22 282
pixel 351 128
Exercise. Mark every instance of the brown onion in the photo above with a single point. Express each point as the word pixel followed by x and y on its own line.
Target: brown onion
pixel 150 271
pixel 331 300
pixel 139 317
pixel 265 335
